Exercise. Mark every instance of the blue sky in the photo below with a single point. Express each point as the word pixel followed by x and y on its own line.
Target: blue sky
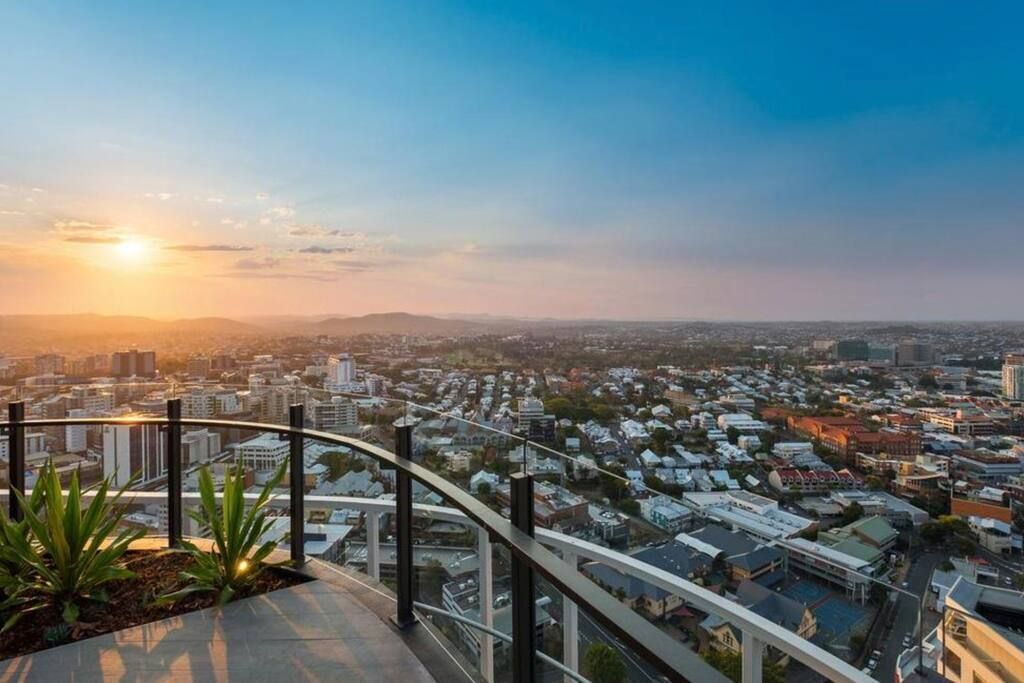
pixel 753 161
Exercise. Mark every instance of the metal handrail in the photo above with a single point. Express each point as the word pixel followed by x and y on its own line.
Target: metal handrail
pixel 675 662
pixel 798 648
pixel 447 614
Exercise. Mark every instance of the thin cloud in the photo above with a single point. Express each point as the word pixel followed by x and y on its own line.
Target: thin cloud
pixel 257 263
pixel 314 230
pixel 253 275
pixel 81 225
pixel 208 247
pixel 355 266
pixel 92 239
pixel 315 249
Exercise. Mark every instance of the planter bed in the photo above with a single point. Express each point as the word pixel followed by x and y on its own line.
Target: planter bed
pixel 129 603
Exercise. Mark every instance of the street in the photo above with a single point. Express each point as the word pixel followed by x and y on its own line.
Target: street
pixel 591 632
pixel 907 612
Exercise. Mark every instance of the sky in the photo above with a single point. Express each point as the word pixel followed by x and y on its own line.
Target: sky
pixel 754 161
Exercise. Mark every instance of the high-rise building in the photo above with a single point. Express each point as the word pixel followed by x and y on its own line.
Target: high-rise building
pixel 76 437
pixel 134 450
pixel 133 363
pixel 341 371
pixel 339 415
pixel 1013 376
pixel 530 408
pixel 883 353
pixel 915 353
pixel 198 366
pixel 50 364
pixel 199 446
pixel 852 349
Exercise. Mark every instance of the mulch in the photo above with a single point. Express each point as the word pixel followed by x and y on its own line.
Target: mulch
pixel 129 603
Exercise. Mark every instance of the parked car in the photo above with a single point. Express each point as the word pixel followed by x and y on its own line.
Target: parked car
pixel 872 665
pixel 907 640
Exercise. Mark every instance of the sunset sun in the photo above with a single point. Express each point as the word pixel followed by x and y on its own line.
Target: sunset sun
pixel 131 250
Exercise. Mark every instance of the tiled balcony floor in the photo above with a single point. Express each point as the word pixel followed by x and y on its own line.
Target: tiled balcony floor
pixel 312 632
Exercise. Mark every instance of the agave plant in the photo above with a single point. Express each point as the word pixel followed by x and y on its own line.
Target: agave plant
pixel 71 552
pixel 235 560
pixel 14 599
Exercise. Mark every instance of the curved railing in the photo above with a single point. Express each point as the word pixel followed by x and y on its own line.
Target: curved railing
pixel 529 555
pixel 529 552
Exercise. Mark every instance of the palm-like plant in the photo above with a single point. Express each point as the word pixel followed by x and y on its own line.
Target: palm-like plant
pixel 235 560
pixel 71 552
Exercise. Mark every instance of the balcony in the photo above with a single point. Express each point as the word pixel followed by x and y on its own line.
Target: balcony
pixel 326 629
pixel 406 633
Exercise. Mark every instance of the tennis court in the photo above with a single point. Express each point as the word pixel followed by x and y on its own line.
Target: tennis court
pixel 840 618
pixel 806 592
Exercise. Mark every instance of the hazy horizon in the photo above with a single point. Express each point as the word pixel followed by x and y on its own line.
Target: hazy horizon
pixel 582 161
pixel 470 317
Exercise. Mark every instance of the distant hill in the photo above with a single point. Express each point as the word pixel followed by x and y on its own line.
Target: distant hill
pixel 395 323
pixel 19 331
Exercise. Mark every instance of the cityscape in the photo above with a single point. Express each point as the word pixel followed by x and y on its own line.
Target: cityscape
pixel 511 343
pixel 824 476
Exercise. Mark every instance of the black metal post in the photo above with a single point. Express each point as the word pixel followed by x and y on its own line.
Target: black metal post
pixel 296 470
pixel 524 601
pixel 16 456
pixel 404 618
pixel 174 472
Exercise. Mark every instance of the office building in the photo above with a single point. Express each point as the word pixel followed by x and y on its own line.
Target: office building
pixel 265 452
pixel 133 363
pixel 199 446
pixel 852 350
pixel 339 415
pixel 198 366
pixel 134 451
pixel 50 364
pixel 76 438
pixel 915 353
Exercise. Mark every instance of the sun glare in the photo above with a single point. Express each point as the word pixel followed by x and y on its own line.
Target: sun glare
pixel 131 250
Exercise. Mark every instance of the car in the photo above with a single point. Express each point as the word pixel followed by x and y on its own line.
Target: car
pixel 1008 581
pixel 906 641
pixel 905 584
pixel 877 654
pixel 872 665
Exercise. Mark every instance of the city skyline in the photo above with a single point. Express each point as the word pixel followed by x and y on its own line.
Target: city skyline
pixel 613 163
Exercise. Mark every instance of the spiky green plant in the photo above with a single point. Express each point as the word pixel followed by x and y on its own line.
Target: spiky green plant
pixel 235 560
pixel 71 551
pixel 14 572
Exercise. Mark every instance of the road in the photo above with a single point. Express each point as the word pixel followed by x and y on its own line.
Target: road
pixel 1007 566
pixel 636 670
pixel 907 608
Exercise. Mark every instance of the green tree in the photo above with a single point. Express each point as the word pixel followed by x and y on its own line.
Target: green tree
pixel 731 665
pixel 733 435
pixel 875 483
pixel 852 513
pixel 602 664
